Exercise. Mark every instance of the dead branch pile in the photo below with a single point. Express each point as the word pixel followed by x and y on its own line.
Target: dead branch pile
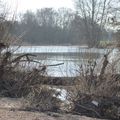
pixel 97 95
pixel 42 98
pixel 97 106
pixel 28 84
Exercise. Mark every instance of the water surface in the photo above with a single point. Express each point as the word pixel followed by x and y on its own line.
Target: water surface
pixel 72 57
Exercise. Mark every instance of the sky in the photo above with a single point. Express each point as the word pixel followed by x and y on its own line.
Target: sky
pixel 22 5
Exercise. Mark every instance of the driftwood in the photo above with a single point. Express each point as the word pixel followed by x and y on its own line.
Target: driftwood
pixel 98 106
pixel 17 59
pixel 54 64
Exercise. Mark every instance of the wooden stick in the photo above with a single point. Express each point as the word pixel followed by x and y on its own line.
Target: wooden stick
pixel 40 63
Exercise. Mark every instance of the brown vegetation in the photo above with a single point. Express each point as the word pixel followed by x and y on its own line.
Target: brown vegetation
pixel 88 94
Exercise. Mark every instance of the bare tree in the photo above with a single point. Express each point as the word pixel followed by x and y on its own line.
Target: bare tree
pixel 94 12
pixel 64 17
pixel 7 20
pixel 5 23
pixel 46 17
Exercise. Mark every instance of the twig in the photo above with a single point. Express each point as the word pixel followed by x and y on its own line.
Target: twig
pixel 34 61
pixel 17 59
pixel 38 63
pixel 90 109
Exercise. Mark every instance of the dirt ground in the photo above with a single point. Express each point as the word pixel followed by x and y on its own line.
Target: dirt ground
pixel 23 115
pixel 10 110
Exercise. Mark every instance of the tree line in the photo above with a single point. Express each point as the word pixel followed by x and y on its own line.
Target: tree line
pixel 61 27
pixel 87 25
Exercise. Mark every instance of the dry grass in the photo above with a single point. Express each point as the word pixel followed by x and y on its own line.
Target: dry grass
pixel 87 87
pixel 30 84
pixel 104 89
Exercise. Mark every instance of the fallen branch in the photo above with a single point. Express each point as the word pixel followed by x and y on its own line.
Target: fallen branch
pixel 54 65
pixel 17 59
pixel 89 109
pixel 34 61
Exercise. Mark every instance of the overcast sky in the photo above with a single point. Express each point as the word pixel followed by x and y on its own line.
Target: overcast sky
pixel 23 5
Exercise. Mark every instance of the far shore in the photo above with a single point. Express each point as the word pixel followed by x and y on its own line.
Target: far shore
pixel 86 46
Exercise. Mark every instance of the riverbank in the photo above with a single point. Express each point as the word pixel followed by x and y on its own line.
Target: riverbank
pixel 11 109
pixel 86 94
pixel 24 115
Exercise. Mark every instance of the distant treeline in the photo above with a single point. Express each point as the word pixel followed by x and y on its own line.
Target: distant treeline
pixel 58 27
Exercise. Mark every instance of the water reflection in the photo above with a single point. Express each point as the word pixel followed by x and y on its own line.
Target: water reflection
pixel 71 56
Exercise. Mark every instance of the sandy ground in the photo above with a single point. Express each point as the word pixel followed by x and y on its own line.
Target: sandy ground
pixel 9 110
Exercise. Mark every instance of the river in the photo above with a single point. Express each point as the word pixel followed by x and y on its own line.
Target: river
pixel 72 57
